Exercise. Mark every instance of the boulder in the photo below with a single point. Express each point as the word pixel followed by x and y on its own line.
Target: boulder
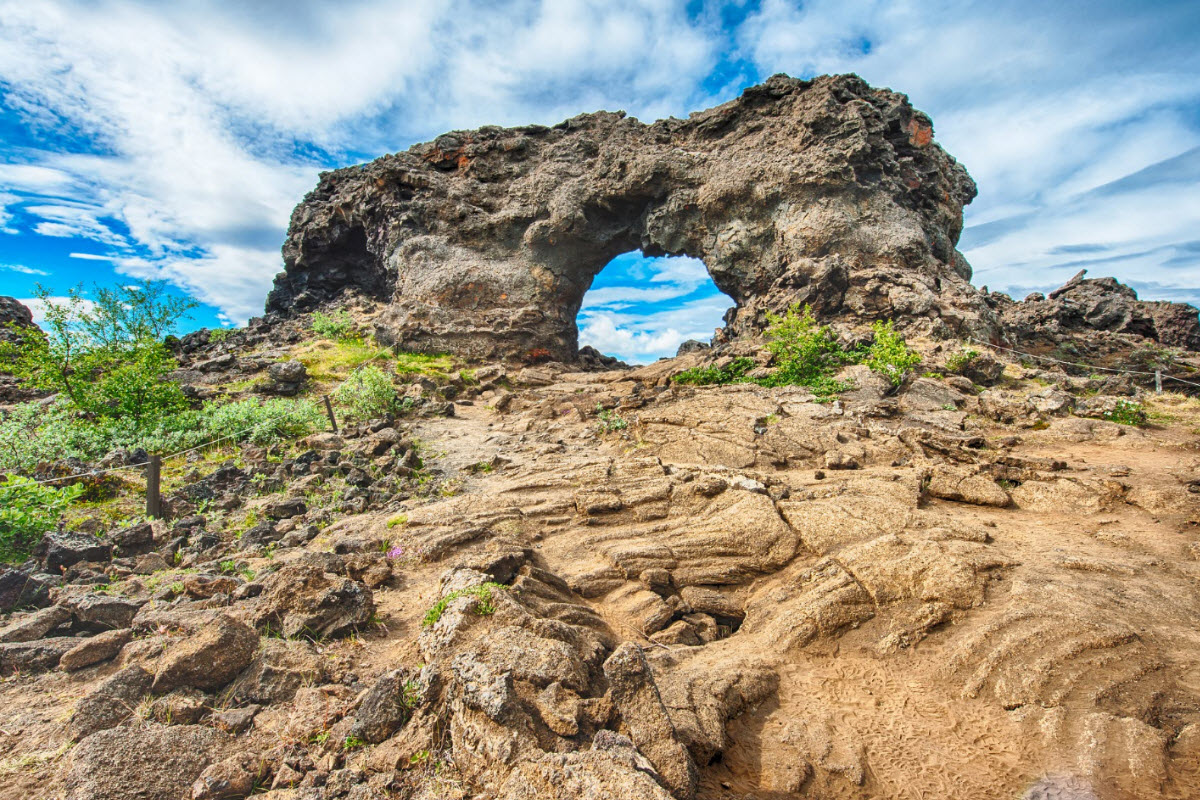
pixel 110 703
pixel 66 549
pixel 304 600
pixel 279 668
pixel 39 655
pixel 952 483
pixel 285 507
pixel 36 625
pixel 636 697
pixel 20 589
pixel 151 762
pixel 103 612
pixel 232 779
pixel 101 647
pixel 209 659
pixel 385 709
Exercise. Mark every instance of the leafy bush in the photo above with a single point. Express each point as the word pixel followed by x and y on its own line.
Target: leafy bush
pixel 806 353
pixel 733 372
pixel 27 512
pixel 336 326
pixel 218 335
pixel 889 355
pixel 368 393
pixel 610 420
pixel 32 434
pixel 1127 412
pixel 105 354
pixel 961 359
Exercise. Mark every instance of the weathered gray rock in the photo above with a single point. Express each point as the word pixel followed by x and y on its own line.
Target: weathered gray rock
pixel 637 699
pixel 35 656
pixel 110 703
pixel 36 625
pixel 235 777
pixel 209 659
pixel 104 612
pixel 150 762
pixel 19 589
pixel 385 708
pixel 100 647
pixel 855 210
pixel 279 668
pixel 66 549
pixel 303 599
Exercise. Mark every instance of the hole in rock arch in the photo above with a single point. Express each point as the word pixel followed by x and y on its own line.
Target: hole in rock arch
pixel 641 308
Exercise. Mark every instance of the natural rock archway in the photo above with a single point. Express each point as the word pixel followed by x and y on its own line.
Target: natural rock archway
pixel 483 242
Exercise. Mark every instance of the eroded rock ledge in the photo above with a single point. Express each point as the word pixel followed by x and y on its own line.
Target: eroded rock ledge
pixel 484 242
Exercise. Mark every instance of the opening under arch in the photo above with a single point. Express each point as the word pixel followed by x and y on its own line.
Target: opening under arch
pixel 641 308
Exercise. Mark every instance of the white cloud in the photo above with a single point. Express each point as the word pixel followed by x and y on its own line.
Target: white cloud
pixel 38 307
pixel 22 269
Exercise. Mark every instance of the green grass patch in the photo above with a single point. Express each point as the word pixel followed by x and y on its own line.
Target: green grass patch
pixel 482 593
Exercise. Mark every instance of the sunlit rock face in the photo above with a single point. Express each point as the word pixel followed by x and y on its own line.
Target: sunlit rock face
pixel 483 243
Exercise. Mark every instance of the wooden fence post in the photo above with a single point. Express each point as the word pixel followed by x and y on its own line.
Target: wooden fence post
pixel 329 410
pixel 153 487
pixel 1158 381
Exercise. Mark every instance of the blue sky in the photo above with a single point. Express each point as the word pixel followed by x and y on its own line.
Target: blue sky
pixel 172 140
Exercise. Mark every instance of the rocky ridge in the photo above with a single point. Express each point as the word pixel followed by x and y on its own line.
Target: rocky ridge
pixel 824 192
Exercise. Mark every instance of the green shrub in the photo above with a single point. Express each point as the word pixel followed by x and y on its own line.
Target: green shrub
pixel 1127 412
pixel 889 355
pixel 482 592
pixel 806 353
pixel 610 420
pixel 961 359
pixel 27 512
pixel 32 434
pixel 336 326
pixel 367 394
pixel 733 372
pixel 218 335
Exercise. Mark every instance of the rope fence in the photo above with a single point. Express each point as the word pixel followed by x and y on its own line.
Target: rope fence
pixel 1158 375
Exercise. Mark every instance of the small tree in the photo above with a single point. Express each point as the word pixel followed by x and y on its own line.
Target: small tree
pixel 106 355
pixel 368 393
pixel 889 355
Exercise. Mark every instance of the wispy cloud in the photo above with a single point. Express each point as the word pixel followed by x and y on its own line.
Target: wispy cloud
pixel 22 269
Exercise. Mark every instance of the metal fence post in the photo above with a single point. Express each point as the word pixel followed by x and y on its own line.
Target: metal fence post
pixel 329 410
pixel 153 487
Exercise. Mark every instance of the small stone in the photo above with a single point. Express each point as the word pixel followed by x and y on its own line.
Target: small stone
pixel 285 508
pixel 235 720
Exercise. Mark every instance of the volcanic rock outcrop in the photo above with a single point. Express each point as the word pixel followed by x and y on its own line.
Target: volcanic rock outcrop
pixel 827 192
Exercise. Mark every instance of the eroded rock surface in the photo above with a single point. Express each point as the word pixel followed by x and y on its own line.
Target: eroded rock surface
pixel 826 191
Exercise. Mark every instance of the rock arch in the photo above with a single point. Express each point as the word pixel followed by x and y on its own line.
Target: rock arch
pixel 483 242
